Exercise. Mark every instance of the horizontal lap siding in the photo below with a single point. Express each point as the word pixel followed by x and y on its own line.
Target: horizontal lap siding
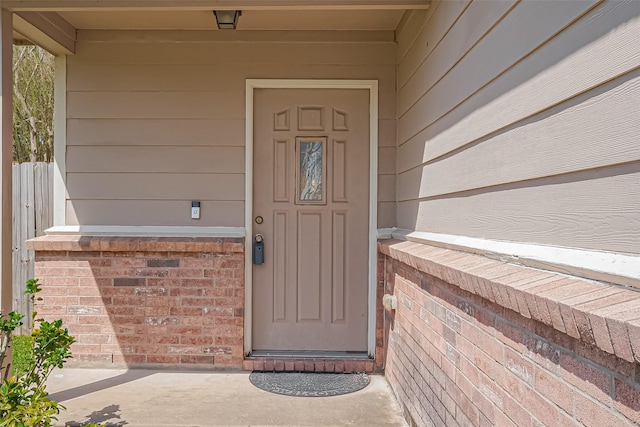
pixel 153 212
pixel 156 186
pixel 592 210
pixel 141 159
pixel 607 113
pixel 173 132
pixel 520 121
pixel 153 124
pixel 234 53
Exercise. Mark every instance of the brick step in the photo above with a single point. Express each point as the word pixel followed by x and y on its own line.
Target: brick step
pixel 308 364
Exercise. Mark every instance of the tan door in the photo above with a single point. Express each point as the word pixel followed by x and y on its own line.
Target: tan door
pixel 311 204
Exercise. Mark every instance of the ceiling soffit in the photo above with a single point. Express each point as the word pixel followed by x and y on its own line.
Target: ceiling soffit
pixel 58 20
pixel 250 20
pixel 71 5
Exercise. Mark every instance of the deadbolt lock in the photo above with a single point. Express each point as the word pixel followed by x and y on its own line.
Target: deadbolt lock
pixel 258 249
pixel 259 220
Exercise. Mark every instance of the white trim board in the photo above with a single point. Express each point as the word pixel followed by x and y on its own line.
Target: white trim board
pixel 372 87
pixel 617 268
pixel 60 141
pixel 144 231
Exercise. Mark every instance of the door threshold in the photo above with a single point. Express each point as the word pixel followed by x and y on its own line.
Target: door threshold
pixel 306 354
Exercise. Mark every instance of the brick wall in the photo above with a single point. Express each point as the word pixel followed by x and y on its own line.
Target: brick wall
pixel 146 301
pixel 455 358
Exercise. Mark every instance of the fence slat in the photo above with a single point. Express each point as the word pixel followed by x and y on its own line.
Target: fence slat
pixel 16 219
pixel 32 214
pixel 37 197
pixel 28 229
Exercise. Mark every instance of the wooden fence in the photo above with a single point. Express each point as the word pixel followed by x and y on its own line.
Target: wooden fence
pixel 32 214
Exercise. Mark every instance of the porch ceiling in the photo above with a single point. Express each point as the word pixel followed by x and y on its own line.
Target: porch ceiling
pixel 52 24
pixel 250 20
pixel 196 14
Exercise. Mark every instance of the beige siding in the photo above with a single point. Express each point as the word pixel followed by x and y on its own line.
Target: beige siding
pixel 141 159
pixel 520 120
pixel 153 212
pixel 155 105
pixel 156 119
pixel 156 186
pixel 173 132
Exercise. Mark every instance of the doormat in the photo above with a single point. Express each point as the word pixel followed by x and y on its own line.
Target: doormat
pixel 309 384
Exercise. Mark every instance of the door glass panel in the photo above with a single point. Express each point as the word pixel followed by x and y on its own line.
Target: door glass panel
pixel 310 170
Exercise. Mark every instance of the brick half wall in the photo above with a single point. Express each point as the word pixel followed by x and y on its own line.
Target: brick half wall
pixel 467 346
pixel 145 301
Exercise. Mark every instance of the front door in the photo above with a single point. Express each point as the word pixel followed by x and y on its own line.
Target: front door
pixel 311 205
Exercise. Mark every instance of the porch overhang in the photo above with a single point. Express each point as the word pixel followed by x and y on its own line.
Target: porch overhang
pixel 53 24
pixel 45 29
pixel 69 5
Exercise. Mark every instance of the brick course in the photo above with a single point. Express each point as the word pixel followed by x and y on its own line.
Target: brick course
pixel 141 301
pixel 468 353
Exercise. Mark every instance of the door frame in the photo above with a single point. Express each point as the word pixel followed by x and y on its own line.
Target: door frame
pixel 372 87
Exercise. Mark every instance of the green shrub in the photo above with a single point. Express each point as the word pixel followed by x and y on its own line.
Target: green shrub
pixel 22 354
pixel 24 401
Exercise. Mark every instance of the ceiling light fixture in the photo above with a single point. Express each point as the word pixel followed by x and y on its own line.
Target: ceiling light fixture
pixel 227 19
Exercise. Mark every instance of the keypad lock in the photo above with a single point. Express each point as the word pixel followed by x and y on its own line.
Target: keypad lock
pixel 258 249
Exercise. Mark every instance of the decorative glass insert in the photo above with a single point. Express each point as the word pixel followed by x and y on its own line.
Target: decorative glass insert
pixel 311 170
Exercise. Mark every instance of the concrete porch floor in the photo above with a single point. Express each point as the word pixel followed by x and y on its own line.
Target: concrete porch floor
pixel 136 398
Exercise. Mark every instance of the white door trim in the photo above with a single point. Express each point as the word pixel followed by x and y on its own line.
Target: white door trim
pixel 372 87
